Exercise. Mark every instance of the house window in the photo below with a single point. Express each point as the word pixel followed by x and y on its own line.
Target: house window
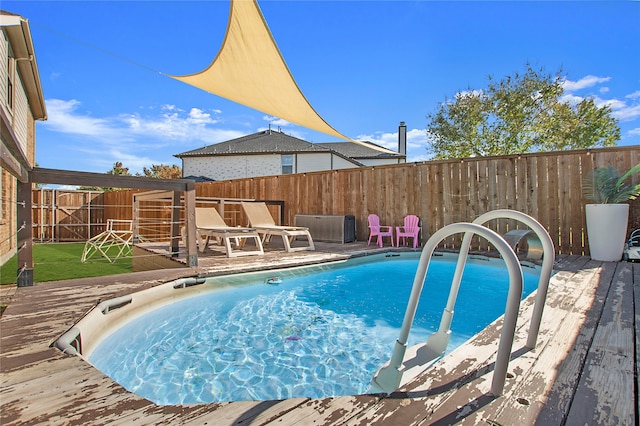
pixel 287 164
pixel 11 63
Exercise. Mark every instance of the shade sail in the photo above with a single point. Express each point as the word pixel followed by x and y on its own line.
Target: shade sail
pixel 250 70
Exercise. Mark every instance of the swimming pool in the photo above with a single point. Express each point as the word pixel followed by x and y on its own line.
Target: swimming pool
pixel 321 331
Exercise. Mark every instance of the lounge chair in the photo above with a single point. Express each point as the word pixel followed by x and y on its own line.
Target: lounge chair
pixel 379 231
pixel 410 229
pixel 209 224
pixel 260 218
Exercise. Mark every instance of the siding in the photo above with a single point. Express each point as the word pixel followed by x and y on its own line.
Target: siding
pixel 248 166
pixel 4 52
pixel 233 167
pixel 21 116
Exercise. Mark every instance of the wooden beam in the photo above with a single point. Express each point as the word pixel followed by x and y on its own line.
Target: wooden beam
pixel 154 196
pixel 12 165
pixel 68 177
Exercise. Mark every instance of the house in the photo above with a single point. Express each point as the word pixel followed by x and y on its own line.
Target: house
pixel 21 104
pixel 271 152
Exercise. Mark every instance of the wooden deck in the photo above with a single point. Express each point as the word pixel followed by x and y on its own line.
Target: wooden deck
pixel 582 371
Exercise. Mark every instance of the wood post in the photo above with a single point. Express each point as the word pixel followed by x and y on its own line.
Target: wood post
pixel 175 224
pixel 25 235
pixel 190 220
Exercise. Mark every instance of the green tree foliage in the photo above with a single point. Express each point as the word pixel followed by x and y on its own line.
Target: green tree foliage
pixel 119 169
pixel 163 171
pixel 520 113
pixel 159 171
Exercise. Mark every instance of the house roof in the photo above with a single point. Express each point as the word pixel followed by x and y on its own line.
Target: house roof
pixel 270 141
pixel 359 151
pixel 199 179
pixel 17 30
pixel 265 142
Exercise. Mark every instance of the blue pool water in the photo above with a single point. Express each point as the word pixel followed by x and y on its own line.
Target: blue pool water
pixel 312 335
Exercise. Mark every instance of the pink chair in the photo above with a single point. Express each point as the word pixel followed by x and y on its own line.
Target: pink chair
pixel 410 229
pixel 375 229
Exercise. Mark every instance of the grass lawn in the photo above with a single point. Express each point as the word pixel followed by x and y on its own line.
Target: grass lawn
pixel 61 261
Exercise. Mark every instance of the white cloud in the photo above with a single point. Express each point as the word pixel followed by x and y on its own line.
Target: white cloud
pixel 604 90
pixel 63 118
pixel 198 116
pixel 634 95
pixel 416 143
pixel 135 139
pixel 275 121
pixel 619 109
pixel 634 132
pixel 571 99
pixel 614 104
pixel 172 124
pixel 627 113
pixel 583 83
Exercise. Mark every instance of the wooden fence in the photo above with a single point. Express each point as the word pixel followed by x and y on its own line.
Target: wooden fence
pixel 63 215
pixel 546 186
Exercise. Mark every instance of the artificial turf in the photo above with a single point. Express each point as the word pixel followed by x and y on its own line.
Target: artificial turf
pixel 61 261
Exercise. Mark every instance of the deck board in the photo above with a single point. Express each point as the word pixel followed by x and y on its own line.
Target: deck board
pixel 608 373
pixel 581 371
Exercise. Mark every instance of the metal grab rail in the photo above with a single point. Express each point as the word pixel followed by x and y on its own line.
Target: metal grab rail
pixel 388 378
pixel 548 259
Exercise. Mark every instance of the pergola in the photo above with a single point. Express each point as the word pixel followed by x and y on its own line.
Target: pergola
pixel 182 189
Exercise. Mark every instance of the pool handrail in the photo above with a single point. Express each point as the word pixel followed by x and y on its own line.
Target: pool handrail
pixel 546 269
pixel 388 377
pixel 442 335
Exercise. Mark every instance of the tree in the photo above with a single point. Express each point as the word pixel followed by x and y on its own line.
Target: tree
pixel 156 171
pixel 119 169
pixel 163 171
pixel 520 113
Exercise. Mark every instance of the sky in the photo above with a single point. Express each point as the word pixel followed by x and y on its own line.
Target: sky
pixel 364 66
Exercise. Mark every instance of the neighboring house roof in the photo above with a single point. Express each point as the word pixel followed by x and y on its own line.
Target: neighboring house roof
pixel 269 142
pixel 357 151
pixel 199 178
pixel 17 30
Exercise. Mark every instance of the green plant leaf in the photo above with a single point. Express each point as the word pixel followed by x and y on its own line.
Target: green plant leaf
pixel 605 185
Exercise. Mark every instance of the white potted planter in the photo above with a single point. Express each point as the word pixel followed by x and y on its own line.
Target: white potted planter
pixel 607 220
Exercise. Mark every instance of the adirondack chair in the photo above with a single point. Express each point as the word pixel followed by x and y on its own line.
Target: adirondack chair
pixel 410 229
pixel 379 231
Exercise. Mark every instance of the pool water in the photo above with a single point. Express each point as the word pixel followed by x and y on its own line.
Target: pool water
pixel 312 335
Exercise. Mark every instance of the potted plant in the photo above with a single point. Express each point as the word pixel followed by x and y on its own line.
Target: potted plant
pixel 607 218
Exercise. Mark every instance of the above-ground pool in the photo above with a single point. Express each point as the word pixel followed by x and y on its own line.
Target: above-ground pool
pixel 309 332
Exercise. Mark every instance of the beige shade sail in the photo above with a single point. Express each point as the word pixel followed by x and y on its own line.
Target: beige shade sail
pixel 250 70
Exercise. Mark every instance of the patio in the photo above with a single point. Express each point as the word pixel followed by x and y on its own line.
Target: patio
pixel 581 371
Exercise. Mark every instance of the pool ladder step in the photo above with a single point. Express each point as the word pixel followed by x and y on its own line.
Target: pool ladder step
pixel 406 363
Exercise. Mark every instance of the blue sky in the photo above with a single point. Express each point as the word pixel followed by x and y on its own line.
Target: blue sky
pixel 365 66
